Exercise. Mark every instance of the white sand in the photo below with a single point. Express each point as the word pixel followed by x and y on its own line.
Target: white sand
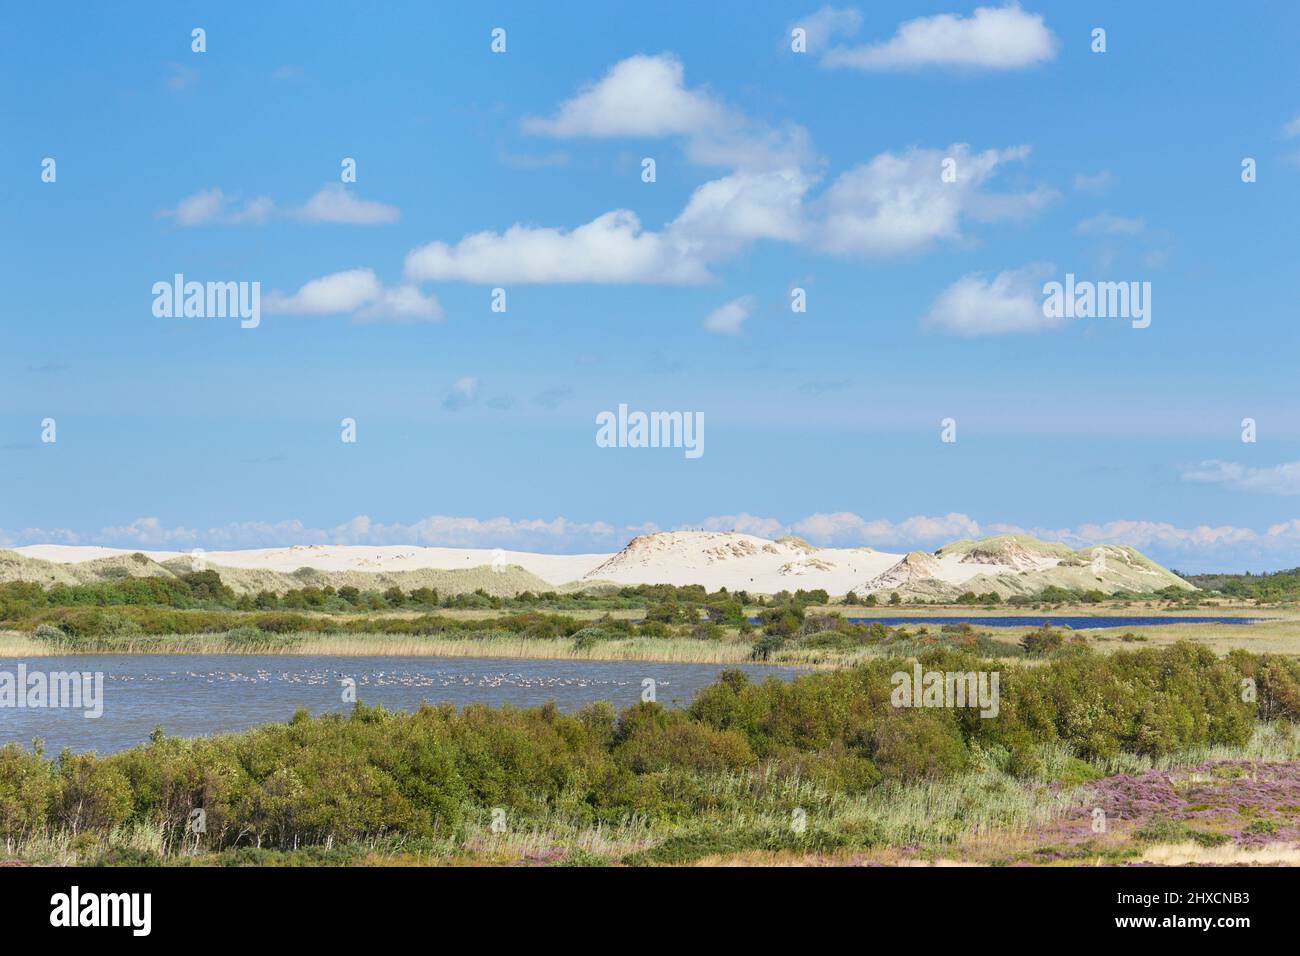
pixel 740 562
pixel 554 568
pixel 75 554
pixel 713 559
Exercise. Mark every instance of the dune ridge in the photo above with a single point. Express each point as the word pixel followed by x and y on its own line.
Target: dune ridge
pixel 1005 564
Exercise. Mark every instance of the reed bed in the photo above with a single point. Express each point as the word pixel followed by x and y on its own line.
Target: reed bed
pixel 662 649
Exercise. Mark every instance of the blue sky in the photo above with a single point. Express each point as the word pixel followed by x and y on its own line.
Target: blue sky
pixel 522 170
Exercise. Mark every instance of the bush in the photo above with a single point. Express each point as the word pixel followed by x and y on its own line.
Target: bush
pixel 588 637
pixel 28 791
pixel 652 739
pixel 247 637
pixel 916 744
pixel 1042 641
pixel 766 646
pixel 425 775
pixel 49 633
pixel 118 626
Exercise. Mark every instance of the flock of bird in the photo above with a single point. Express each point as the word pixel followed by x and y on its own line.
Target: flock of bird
pixel 415 679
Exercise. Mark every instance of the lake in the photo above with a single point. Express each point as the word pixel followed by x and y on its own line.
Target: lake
pixel 191 695
pixel 1075 622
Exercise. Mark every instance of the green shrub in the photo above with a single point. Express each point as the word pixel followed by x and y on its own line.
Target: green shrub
pixel 427 775
pixel 916 744
pixel 29 789
pixel 589 637
pixel 246 636
pixel 1042 641
pixel 50 634
pixel 651 739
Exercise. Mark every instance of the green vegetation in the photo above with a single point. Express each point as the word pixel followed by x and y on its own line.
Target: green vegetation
pixel 157 614
pixel 1277 587
pixel 24 604
pixel 1164 830
pixel 723 776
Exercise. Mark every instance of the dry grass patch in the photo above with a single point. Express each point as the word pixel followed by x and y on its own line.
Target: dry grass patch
pixel 1230 854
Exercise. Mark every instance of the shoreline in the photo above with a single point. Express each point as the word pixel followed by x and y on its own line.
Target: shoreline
pixel 658 650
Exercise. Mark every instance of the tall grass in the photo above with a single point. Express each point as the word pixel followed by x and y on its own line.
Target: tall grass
pixel 666 649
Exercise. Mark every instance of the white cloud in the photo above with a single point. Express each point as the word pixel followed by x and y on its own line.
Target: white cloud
pixel 727 319
pixel 204 206
pixel 1108 224
pixel 21 536
pixel 828 22
pixel 1223 545
pixel 212 207
pixel 845 527
pixel 1159 534
pixel 641 96
pixel 462 532
pixel 405 303
pixel 1010 302
pixel 612 248
pixel 1281 479
pixel 746 145
pixel 339 292
pixel 744 207
pixel 646 97
pixel 1292 128
pixel 433 531
pixel 894 204
pixel 1094 183
pixel 359 292
pixel 993 38
pixel 333 203
pixel 900 204
pixel 464 392
pixel 150 532
pixel 742 523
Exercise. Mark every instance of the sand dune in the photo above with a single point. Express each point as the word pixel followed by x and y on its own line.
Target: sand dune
pixel 1008 564
pixel 553 568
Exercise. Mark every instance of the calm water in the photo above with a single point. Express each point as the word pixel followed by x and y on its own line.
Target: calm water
pixel 195 695
pixel 1076 622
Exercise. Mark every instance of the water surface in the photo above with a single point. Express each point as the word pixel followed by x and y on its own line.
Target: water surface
pixel 1075 622
pixel 193 695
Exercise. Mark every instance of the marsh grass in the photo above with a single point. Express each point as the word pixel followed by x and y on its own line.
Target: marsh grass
pixel 666 649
